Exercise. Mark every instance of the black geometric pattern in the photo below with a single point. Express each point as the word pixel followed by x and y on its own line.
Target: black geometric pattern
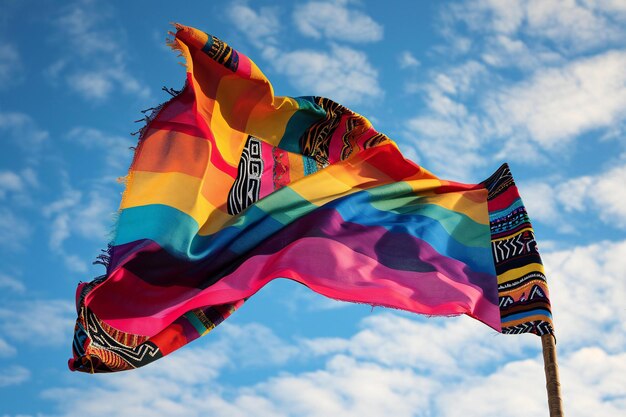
pixel 245 190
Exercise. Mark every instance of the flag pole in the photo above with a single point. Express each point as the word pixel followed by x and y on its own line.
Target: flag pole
pixel 553 384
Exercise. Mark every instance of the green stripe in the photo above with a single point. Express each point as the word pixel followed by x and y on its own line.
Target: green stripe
pixel 307 114
pixel 400 198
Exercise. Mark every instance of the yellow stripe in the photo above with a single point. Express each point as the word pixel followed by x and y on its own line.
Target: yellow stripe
pixel 215 221
pixel 268 120
pixel 519 272
pixel 458 202
pixel 229 142
pixel 322 187
pixel 296 166
pixel 173 189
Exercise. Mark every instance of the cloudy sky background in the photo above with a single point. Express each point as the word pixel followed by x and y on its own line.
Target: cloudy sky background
pixel 460 85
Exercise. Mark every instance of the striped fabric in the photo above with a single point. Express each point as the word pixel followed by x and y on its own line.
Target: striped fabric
pixel 232 186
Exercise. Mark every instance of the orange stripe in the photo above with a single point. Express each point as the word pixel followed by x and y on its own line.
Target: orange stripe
pixel 167 151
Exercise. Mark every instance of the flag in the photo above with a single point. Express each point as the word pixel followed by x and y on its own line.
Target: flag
pixel 232 186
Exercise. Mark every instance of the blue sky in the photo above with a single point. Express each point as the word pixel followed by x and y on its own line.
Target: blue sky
pixel 461 86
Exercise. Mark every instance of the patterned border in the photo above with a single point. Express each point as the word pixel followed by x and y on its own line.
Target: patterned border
pixel 522 286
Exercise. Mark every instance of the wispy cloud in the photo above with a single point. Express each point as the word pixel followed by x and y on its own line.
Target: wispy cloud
pixel 14 230
pixel 116 149
pixel 340 72
pixel 601 195
pixel 38 322
pixel 521 90
pixel 6 349
pixel 97 65
pixel 335 20
pixel 10 65
pixel 22 130
pixel 81 215
pixel 558 104
pixel 9 283
pixel 597 23
pixel 13 375
pixel 407 60
pixel 586 287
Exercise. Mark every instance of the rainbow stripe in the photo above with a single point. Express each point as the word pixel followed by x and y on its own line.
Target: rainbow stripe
pixel 232 186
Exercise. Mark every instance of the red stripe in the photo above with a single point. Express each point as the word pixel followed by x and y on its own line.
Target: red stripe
pixel 503 200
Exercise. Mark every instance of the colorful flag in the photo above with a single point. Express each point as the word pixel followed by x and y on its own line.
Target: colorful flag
pixel 232 187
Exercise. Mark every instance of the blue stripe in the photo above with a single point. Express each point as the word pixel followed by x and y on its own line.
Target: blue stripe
pixel 525 314
pixel 356 208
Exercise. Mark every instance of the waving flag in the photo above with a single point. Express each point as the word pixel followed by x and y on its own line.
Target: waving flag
pixel 232 187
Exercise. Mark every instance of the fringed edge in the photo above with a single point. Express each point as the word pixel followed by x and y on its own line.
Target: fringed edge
pixel 149 114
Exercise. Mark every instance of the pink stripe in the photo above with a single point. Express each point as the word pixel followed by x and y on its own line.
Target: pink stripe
pixel 336 141
pixel 245 66
pixel 430 293
pixel 267 178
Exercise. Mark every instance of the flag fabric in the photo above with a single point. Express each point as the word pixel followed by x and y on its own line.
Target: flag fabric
pixel 231 187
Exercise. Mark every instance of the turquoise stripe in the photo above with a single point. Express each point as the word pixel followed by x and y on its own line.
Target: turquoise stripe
pixel 309 164
pixel 172 229
pixel 207 46
pixel 400 198
pixel 195 322
pixel 307 114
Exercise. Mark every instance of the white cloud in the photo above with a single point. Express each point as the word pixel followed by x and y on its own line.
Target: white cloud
pixel 604 192
pixel 546 20
pixel 38 322
pixel 17 184
pixel 526 121
pixel 261 27
pixel 394 341
pixel 12 284
pixel 115 148
pixel 76 214
pixel 6 349
pixel 14 230
pixel 22 130
pixel 557 104
pixel 93 84
pixel 9 181
pixel 339 72
pixel 408 60
pixel 601 195
pixel 586 289
pixel 13 375
pixel 10 65
pixel 342 73
pixel 591 386
pixel 509 52
pixel 98 64
pixel 564 83
pixel 334 20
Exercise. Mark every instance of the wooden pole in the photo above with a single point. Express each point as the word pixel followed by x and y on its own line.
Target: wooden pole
pixel 553 385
